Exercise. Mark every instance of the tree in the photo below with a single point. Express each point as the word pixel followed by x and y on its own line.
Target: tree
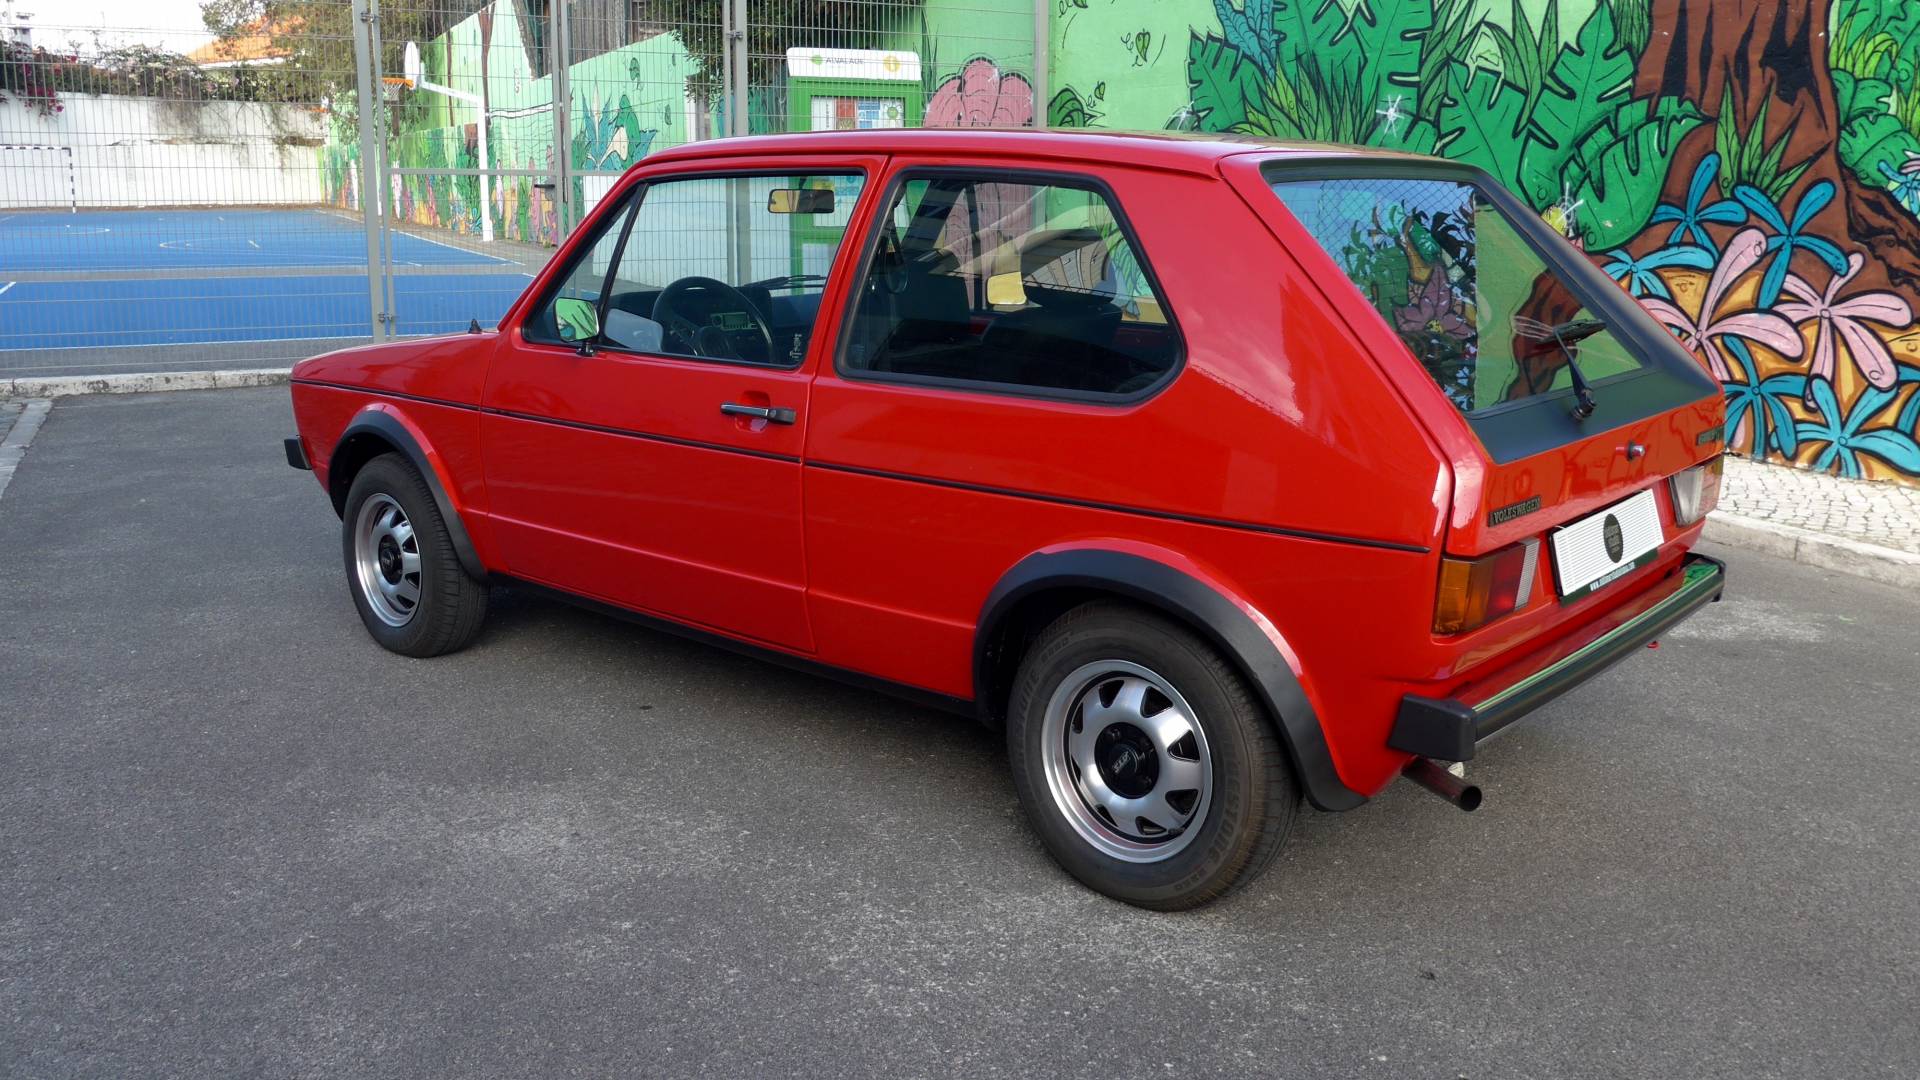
pixel 32 75
pixel 317 38
pixel 1768 59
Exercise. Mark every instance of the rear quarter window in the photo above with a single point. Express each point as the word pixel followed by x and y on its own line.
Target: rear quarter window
pixel 1456 282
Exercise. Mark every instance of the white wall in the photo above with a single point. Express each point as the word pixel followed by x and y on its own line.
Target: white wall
pixel 129 151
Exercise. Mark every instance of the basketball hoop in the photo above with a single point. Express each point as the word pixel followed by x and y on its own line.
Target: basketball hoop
pixel 390 87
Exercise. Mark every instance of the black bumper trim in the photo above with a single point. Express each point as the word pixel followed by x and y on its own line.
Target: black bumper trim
pixel 296 453
pixel 1450 729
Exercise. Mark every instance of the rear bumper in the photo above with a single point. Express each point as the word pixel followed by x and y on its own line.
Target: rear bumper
pixel 1450 728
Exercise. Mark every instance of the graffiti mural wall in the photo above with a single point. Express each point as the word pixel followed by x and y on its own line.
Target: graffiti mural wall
pixel 1749 169
pixel 627 100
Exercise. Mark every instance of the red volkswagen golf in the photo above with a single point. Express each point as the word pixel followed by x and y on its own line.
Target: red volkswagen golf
pixel 1218 473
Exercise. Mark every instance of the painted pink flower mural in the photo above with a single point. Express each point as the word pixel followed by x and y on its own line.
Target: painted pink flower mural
pixel 1434 309
pixel 1848 319
pixel 1701 333
pixel 981 96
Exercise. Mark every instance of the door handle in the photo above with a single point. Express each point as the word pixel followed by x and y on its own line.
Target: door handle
pixel 761 412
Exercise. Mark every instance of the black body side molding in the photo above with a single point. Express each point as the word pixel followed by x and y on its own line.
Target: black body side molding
pixel 1158 585
pixel 351 450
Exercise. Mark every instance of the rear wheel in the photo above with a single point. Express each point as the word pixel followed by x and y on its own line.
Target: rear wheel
pixel 1144 761
pixel 411 591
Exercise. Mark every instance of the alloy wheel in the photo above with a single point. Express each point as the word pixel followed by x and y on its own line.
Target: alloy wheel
pixel 386 557
pixel 1126 761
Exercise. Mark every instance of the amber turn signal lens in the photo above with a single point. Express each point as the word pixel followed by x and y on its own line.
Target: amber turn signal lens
pixel 1696 491
pixel 1474 592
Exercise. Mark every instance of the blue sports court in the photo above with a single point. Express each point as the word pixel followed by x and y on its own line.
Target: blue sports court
pixel 180 277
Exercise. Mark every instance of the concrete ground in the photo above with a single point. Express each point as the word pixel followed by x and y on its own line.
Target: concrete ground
pixel 238 839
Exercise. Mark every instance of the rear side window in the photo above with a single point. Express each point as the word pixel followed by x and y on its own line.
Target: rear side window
pixel 1009 285
pixel 1490 320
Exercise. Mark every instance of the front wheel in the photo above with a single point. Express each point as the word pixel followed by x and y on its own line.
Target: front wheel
pixel 408 585
pixel 1144 761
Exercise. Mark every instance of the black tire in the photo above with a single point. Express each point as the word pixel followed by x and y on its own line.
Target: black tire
pixel 450 605
pixel 1253 795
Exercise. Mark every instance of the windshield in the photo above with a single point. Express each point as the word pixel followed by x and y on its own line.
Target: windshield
pixel 1490 321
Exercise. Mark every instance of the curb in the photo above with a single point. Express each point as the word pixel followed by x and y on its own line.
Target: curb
pixel 141 383
pixel 1883 564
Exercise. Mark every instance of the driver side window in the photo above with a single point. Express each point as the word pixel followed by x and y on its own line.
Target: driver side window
pixel 724 268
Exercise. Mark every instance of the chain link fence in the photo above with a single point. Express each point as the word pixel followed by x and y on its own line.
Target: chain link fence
pixel 325 173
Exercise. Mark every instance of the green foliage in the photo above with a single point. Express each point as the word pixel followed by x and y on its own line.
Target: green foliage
pixel 1860 51
pixel 32 75
pixel 1745 154
pixel 1386 38
pixel 1633 23
pixel 1586 84
pixel 1250 28
pixel 1449 36
pixel 1869 139
pixel 1863 20
pixel 1378 263
pixel 1617 170
pixel 1483 122
pixel 1316 107
pixel 1069 109
pixel 1527 54
pixel 1907 105
pixel 1221 81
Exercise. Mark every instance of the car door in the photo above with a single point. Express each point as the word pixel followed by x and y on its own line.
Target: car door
pixel 655 462
pixel 1003 333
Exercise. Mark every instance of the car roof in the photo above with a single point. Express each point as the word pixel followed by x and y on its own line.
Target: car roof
pixel 1170 150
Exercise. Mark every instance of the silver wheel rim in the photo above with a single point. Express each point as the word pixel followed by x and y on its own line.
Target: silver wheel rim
pixel 386 557
pixel 1126 760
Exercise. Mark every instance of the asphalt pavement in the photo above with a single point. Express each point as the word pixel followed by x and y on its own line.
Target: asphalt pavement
pixel 238 839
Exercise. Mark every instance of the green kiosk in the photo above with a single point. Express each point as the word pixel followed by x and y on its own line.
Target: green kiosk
pixel 848 90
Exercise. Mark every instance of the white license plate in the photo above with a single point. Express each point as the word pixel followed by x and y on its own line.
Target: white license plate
pixel 1602 548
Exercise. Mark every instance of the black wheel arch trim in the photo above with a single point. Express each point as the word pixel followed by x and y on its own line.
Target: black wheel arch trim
pixel 1158 585
pixel 385 428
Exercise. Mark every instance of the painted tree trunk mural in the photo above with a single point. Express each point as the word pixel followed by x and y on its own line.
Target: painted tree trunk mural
pixel 1746 51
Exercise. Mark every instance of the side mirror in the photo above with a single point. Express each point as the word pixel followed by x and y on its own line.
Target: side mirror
pixel 800 201
pixel 577 320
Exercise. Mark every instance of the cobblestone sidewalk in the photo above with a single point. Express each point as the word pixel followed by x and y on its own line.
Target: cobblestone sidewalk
pixel 1887 515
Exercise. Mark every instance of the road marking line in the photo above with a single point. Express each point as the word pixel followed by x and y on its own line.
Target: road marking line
pixel 14 446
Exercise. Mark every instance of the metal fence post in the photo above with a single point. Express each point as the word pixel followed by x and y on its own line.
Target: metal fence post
pixel 366 15
pixel 562 117
pixel 736 67
pixel 1042 9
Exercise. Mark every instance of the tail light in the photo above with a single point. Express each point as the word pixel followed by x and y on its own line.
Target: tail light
pixel 1696 491
pixel 1474 592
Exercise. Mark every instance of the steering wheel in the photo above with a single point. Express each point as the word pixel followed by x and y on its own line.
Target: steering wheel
pixel 709 340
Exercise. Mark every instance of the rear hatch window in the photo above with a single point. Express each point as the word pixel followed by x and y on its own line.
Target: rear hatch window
pixel 1509 322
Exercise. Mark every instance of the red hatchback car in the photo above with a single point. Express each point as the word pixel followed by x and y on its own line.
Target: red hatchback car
pixel 1219 473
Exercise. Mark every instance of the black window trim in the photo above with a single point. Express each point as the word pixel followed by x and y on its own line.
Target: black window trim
pixel 635 196
pixel 1013 174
